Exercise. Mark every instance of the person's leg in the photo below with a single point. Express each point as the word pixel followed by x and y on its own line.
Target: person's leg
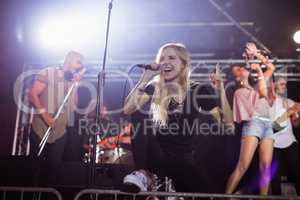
pixel 248 147
pixel 34 144
pixel 265 160
pixel 291 155
pixel 278 162
pixel 147 156
pixel 36 161
pixel 54 158
pixel 187 177
pixel 157 159
pixel 139 144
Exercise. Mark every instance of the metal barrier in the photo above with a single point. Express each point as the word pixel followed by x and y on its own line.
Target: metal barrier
pixel 27 193
pixel 117 195
pixel 15 193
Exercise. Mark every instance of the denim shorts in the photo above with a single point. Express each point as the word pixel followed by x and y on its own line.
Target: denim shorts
pixel 259 127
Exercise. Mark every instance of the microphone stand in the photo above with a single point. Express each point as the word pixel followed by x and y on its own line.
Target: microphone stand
pixel 99 103
pixel 48 132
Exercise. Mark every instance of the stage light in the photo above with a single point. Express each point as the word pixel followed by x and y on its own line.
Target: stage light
pixel 73 31
pixel 296 37
pixel 19 33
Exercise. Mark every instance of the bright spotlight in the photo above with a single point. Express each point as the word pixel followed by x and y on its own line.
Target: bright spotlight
pixel 51 34
pixel 297 37
pixel 69 32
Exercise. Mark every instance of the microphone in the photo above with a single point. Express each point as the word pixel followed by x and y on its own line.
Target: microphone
pixel 147 67
pixel 69 74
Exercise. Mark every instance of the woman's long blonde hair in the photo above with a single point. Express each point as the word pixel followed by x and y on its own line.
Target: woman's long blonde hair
pixel 161 97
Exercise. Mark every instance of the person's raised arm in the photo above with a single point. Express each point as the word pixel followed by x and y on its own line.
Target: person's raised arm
pixel 262 77
pixel 261 80
pixel 138 96
pixel 270 67
pixel 222 113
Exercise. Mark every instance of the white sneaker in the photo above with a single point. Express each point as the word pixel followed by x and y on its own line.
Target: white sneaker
pixel 164 184
pixel 135 182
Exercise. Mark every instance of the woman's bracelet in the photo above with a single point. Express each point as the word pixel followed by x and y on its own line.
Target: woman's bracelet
pixel 260 77
pixel 41 110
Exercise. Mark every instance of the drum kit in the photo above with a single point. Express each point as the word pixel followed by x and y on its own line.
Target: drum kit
pixel 110 149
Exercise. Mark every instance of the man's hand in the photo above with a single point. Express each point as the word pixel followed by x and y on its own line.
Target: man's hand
pixel 295 108
pixel 78 76
pixel 48 119
pixel 290 112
